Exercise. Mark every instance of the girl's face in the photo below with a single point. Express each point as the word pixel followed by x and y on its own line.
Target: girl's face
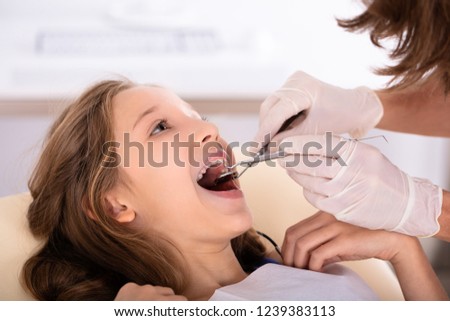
pixel 164 147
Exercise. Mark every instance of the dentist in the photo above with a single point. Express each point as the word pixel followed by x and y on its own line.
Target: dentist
pixel 363 187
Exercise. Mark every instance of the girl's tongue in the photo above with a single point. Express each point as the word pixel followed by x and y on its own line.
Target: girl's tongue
pixel 209 179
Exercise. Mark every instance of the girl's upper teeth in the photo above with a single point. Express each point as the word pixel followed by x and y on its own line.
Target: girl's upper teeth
pixel 200 175
pixel 216 162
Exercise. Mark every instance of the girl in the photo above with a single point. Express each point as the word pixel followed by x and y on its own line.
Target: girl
pixel 125 197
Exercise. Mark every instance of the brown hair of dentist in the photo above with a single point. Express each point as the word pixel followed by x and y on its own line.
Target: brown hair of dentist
pixel 420 29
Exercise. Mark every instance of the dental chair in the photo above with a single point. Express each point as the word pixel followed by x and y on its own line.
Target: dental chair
pixel 272 215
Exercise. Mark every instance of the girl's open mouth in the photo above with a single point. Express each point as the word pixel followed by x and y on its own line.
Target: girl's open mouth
pixel 208 177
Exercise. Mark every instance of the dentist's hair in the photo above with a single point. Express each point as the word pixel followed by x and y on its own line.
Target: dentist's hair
pixel 421 31
pixel 87 254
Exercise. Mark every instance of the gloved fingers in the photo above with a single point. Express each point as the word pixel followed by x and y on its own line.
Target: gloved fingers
pixel 313 198
pixel 326 145
pixel 269 103
pixel 329 204
pixel 315 184
pixel 311 165
pixel 276 109
pixel 300 126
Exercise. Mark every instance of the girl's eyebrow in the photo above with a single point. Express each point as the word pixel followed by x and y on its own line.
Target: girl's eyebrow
pixel 145 113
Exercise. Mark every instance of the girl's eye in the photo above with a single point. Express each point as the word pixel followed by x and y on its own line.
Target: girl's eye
pixel 160 127
pixel 204 118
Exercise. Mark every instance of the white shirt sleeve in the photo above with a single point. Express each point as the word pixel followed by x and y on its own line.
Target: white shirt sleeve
pixel 274 282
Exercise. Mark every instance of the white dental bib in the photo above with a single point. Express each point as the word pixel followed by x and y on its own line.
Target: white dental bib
pixel 274 282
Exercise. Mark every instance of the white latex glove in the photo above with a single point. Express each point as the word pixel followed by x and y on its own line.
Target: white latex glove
pixel 327 109
pixel 362 187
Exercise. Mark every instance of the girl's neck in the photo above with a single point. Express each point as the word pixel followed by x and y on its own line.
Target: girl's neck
pixel 211 270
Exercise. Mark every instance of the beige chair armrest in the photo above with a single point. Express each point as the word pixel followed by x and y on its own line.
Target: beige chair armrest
pixel 17 244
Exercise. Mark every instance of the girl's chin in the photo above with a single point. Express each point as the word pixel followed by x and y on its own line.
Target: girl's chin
pixel 242 226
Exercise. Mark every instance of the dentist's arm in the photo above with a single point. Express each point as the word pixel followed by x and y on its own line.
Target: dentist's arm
pixel 358 185
pixel 419 110
pixel 320 240
pixel 444 218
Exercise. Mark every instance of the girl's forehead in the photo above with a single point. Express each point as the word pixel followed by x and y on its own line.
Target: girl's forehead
pixel 132 102
pixel 140 97
pixel 188 110
pixel 143 95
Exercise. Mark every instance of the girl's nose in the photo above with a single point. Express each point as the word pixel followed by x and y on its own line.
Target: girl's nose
pixel 207 132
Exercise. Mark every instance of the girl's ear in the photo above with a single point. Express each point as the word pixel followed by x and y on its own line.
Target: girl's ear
pixel 114 208
pixel 118 210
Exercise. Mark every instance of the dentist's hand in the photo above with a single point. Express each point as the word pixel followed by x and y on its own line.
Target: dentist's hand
pixel 358 185
pixel 326 108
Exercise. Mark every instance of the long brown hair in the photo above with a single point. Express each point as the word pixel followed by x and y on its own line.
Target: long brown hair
pixel 421 29
pixel 85 258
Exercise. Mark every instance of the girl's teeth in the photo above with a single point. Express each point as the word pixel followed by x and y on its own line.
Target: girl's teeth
pixel 202 172
pixel 214 163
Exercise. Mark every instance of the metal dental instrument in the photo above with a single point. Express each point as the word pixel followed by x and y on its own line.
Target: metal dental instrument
pixel 257 159
pixel 261 155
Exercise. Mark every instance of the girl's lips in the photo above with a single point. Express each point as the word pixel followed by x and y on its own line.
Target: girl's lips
pixel 230 194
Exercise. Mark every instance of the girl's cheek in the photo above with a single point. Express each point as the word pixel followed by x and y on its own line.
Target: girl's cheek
pixel 159 155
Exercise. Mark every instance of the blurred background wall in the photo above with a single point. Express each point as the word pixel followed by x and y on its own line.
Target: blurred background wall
pixel 224 57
